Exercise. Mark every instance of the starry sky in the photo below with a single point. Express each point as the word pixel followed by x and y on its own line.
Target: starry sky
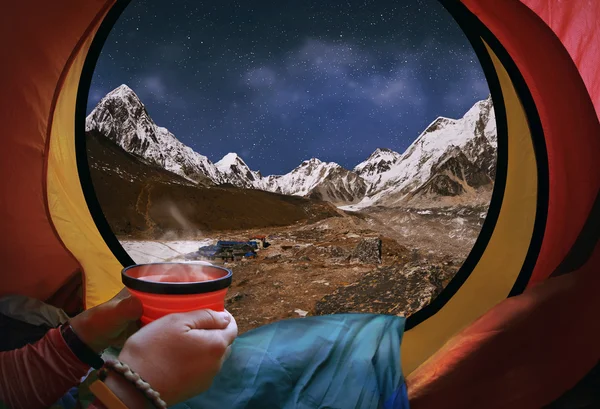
pixel 281 81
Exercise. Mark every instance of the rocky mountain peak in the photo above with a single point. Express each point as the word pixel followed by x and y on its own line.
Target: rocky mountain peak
pixel 382 154
pixel 237 172
pixel 379 151
pixel 438 124
pixel 473 136
pixel 380 161
pixel 123 92
pixel 311 162
pixel 122 118
pixel 124 104
pixel 231 159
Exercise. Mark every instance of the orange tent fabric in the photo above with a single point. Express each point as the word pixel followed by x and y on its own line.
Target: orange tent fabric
pixel 38 42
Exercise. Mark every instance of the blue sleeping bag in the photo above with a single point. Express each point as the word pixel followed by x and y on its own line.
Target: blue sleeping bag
pixel 345 361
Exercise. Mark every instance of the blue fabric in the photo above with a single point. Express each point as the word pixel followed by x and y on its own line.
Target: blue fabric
pixel 340 361
pixel 398 400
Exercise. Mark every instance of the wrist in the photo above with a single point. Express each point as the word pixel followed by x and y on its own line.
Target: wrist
pixel 81 327
pixel 79 348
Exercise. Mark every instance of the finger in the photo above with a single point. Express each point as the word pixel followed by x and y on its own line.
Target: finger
pixel 129 308
pixel 207 319
pixel 130 328
pixel 230 332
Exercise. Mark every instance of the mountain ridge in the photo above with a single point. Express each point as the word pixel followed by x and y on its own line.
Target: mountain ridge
pixel 122 118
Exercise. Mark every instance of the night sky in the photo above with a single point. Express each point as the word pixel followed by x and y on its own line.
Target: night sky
pixel 279 82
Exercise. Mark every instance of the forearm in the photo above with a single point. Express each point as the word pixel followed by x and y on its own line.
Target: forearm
pixel 37 375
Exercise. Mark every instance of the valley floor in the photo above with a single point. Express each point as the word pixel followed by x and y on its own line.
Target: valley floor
pixel 328 266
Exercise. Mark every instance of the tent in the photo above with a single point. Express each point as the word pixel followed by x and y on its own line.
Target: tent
pixel 538 246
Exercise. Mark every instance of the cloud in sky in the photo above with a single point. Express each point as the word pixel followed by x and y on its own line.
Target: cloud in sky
pixel 261 77
pixel 319 70
pixel 472 82
pixel 154 85
pixel 326 58
pixel 163 89
pixel 95 95
pixel 389 92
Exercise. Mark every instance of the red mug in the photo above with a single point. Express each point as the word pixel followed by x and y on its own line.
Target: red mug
pixel 167 288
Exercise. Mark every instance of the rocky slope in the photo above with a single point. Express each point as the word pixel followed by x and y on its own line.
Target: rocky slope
pixel 145 201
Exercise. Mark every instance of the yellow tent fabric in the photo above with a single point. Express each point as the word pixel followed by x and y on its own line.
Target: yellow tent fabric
pixel 68 207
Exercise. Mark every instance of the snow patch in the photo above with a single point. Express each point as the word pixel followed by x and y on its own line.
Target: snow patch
pixel 142 251
pixel 228 161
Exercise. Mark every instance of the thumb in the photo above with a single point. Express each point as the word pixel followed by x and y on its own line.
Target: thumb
pixel 129 309
pixel 207 319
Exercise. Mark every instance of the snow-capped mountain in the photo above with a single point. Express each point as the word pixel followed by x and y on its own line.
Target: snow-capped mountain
pixel 236 172
pixel 470 142
pixel 380 162
pixel 121 117
pixel 452 157
pixel 320 180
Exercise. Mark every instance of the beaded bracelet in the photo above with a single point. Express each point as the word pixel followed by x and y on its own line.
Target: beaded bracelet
pixel 124 370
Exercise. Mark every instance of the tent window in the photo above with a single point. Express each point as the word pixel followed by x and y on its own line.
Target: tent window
pixel 339 167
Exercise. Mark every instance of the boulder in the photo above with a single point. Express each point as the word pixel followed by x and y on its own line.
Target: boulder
pixel 368 250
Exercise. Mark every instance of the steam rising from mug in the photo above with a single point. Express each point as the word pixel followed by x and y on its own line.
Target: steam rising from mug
pixel 176 273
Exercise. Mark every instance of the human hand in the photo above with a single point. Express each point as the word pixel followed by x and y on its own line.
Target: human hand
pixel 109 324
pixel 180 354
